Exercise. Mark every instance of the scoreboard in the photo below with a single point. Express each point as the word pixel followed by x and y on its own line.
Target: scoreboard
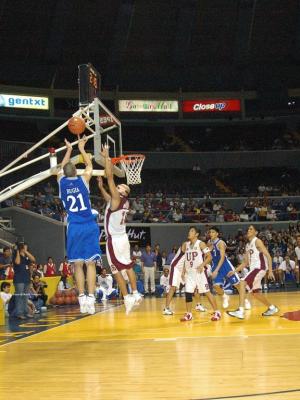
pixel 89 82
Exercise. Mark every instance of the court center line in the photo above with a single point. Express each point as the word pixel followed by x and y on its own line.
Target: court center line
pixel 249 395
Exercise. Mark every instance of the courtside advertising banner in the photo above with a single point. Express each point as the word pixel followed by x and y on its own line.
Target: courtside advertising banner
pixel 136 235
pixel 148 106
pixel 22 101
pixel 199 106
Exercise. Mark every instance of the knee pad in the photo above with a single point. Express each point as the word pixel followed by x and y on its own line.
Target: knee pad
pixel 188 297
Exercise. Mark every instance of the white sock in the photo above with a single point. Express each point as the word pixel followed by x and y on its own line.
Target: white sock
pixel 241 309
pixel 91 295
pixel 81 295
pixel 135 292
pixel 272 307
pixel 127 296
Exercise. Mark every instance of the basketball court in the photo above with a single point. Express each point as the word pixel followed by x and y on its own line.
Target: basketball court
pixel 150 356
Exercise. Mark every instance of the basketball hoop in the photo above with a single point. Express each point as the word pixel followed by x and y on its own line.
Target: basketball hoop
pixel 132 165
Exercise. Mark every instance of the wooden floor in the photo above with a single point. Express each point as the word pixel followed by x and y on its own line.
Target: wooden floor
pixel 150 356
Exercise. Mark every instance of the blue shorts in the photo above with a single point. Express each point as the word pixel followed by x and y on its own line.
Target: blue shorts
pixel 222 275
pixel 83 241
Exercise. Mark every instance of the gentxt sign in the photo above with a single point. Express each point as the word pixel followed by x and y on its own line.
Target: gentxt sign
pixel 29 102
pixel 148 105
pixel 211 105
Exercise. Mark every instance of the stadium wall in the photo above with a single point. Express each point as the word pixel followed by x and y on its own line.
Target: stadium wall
pixel 220 160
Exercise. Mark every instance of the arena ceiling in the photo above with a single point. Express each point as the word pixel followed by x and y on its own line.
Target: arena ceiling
pixel 152 44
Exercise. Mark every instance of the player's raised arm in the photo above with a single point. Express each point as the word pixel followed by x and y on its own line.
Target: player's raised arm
pixel 262 248
pixel 88 162
pixel 66 159
pixel 104 193
pixel 115 195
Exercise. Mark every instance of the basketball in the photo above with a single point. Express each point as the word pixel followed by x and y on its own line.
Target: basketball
pixel 59 300
pixel 68 300
pixel 76 125
pixel 74 300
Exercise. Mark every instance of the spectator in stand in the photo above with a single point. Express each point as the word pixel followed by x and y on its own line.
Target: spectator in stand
pixel 104 287
pixel 277 260
pixel 158 257
pixel 177 215
pixel 21 261
pixel 65 268
pixel 38 295
pixel 171 255
pixel 287 266
pixel 164 285
pixel 149 266
pixel 217 207
pixel 49 268
pixel 26 204
pixel 5 294
pixel 164 258
pixel 5 262
pixel 63 285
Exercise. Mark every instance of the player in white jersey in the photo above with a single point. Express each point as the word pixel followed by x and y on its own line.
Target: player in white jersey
pixel 197 257
pixel 175 279
pixel 258 259
pixel 117 243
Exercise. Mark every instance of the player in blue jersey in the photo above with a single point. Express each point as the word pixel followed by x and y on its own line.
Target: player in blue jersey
pixel 223 270
pixel 82 229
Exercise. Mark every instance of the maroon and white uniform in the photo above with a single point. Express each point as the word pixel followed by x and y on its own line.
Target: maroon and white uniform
pixel 117 243
pixel 257 265
pixel 176 268
pixel 193 259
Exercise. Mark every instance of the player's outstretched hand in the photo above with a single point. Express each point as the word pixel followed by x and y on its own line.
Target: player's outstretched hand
pixel 105 151
pixel 68 144
pixel 82 142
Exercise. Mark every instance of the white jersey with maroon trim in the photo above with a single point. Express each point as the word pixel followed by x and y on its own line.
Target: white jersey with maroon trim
pixel 194 255
pixel 256 259
pixel 115 221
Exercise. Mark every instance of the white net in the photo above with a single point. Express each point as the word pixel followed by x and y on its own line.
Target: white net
pixel 132 165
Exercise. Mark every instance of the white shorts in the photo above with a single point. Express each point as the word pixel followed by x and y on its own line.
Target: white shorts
pixel 253 279
pixel 196 280
pixel 175 278
pixel 118 253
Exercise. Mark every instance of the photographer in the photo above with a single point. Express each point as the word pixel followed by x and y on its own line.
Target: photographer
pixel 21 260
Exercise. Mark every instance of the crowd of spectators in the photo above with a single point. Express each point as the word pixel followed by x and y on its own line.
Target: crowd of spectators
pixel 156 207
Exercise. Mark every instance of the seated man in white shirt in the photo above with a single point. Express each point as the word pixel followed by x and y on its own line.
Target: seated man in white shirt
pixel 104 286
pixel 5 294
pixel 288 266
pixel 164 285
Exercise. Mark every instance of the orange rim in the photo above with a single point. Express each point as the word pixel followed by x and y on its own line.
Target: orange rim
pixel 129 158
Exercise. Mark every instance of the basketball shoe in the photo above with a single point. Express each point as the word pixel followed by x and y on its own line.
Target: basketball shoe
pixel 129 302
pixel 187 317
pixel 270 311
pixel 225 300
pixel 90 304
pixel 167 311
pixel 200 307
pixel 82 303
pixel 138 298
pixel 216 316
pixel 237 314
